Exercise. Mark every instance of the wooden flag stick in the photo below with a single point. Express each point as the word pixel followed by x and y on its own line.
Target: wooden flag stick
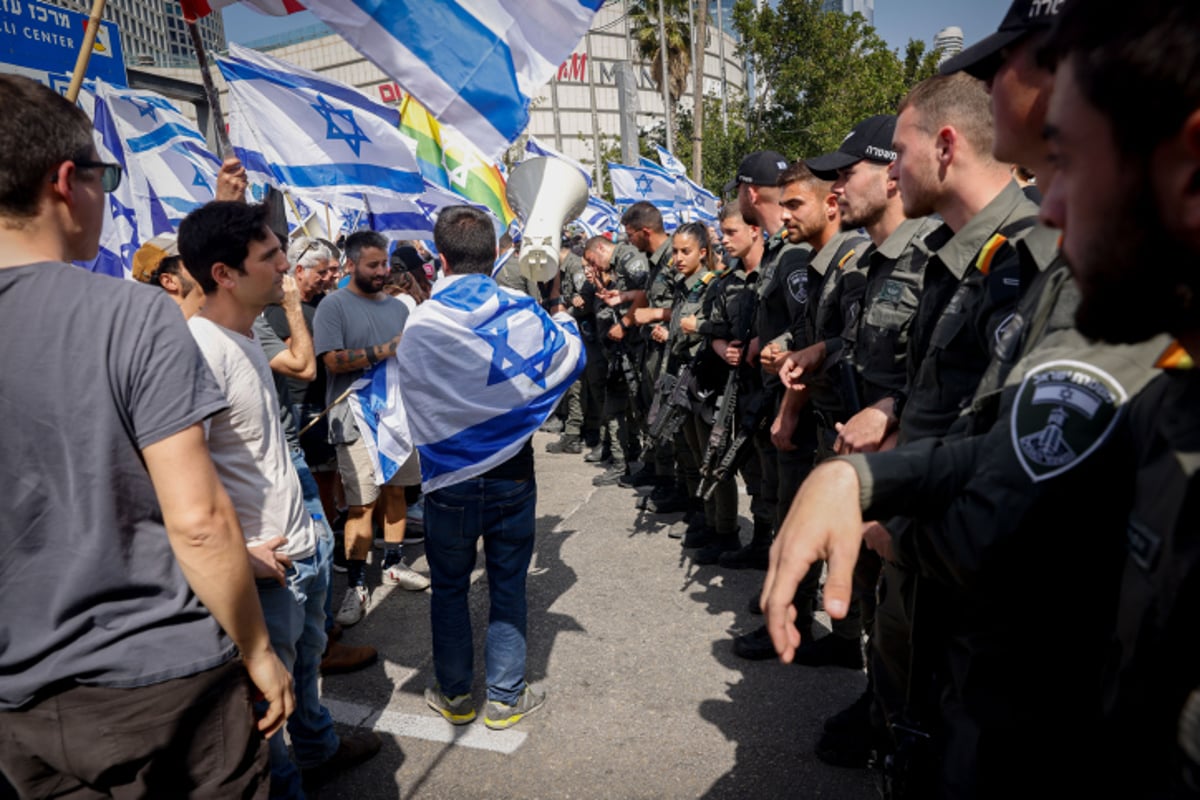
pixel 303 222
pixel 210 90
pixel 85 52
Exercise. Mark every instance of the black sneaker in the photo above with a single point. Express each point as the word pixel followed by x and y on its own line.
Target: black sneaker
pixel 854 718
pixel 354 749
pixel 849 750
pixel 670 503
pixel 610 477
pixel 712 552
pixel 830 651
pixel 567 443
pixel 754 606
pixel 643 477
pixel 597 454
pixel 755 645
pixel 752 556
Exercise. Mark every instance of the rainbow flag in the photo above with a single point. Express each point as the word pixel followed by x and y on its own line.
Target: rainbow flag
pixel 447 159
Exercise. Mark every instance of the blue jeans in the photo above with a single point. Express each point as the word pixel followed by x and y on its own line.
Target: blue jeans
pixel 503 513
pixel 312 502
pixel 295 618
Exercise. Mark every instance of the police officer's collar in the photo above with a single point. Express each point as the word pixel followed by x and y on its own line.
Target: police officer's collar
pixel 1039 246
pixel 958 254
pixel 898 242
pixel 834 248
pixel 661 254
pixel 691 281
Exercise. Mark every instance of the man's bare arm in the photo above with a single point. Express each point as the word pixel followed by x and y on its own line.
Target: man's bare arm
pixel 207 540
pixel 339 361
pixel 299 360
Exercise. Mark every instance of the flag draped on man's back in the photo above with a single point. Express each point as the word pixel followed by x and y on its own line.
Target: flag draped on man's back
pixel 482 367
pixel 475 64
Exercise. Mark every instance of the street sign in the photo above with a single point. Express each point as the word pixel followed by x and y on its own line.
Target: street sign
pixel 42 41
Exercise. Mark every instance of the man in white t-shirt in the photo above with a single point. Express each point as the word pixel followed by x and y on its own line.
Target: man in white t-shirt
pixel 239 264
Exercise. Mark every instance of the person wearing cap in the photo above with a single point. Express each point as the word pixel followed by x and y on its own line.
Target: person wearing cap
pixel 157 262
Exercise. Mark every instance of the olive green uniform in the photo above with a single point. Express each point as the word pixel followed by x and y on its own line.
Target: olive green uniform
pixel 627 271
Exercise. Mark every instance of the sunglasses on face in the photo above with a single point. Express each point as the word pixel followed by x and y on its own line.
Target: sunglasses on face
pixel 110 178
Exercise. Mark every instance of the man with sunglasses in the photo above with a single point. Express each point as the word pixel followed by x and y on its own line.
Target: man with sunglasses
pixel 126 589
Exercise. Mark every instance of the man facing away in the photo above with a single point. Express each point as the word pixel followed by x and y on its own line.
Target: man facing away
pixel 478 471
pixel 110 626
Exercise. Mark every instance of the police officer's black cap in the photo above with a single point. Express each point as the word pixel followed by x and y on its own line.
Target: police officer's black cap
pixel 982 59
pixel 407 258
pixel 871 140
pixel 761 168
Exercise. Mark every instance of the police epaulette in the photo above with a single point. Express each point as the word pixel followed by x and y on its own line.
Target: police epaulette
pixel 710 276
pixel 984 262
pixel 849 255
pixel 1175 357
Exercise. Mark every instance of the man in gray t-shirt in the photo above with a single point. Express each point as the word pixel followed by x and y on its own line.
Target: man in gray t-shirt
pixel 354 329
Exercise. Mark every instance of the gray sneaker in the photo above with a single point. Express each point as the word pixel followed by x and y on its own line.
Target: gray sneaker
pixel 405 577
pixel 457 710
pixel 499 716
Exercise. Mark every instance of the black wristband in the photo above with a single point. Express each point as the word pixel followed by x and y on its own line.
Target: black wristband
pixel 371 357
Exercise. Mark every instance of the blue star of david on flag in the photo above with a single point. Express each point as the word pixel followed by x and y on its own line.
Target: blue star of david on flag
pixel 199 179
pixel 507 362
pixel 353 137
pixel 149 106
pixel 643 185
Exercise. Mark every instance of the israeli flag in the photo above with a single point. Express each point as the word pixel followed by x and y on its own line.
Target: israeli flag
pixel 119 238
pixel 698 203
pixel 633 184
pixel 670 163
pixel 315 137
pixel 168 165
pixel 412 216
pixel 382 422
pixel 599 217
pixel 535 148
pixel 475 64
pixel 482 368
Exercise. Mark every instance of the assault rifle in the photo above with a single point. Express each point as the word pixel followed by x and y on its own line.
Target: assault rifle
pixel 672 403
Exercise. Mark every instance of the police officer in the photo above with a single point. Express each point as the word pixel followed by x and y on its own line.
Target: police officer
pixel 582 407
pixel 622 272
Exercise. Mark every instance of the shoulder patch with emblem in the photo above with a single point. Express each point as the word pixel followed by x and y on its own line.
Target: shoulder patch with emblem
pixel 1064 410
pixel 984 262
pixel 797 284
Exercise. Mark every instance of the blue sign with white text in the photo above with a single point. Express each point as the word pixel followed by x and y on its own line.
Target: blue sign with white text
pixel 42 41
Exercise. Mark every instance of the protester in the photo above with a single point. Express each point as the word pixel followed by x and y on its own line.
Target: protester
pixel 133 627
pixel 487 491
pixel 157 262
pixel 355 329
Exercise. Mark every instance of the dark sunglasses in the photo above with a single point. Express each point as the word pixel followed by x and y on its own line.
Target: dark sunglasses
pixel 110 179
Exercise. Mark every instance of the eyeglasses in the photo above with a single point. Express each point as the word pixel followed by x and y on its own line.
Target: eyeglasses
pixel 110 179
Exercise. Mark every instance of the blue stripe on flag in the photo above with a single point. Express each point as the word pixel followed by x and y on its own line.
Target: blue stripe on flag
pixel 236 69
pixel 401 221
pixel 372 400
pixel 160 136
pixel 463 52
pixel 323 176
pixel 468 292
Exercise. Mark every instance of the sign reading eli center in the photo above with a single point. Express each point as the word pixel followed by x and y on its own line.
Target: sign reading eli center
pixel 42 41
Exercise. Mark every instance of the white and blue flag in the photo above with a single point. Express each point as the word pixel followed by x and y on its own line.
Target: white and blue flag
pixel 702 204
pixel 670 163
pixel 482 368
pixel 599 217
pixel 314 137
pixel 168 165
pixel 657 186
pixel 535 148
pixel 382 422
pixel 119 238
pixel 475 64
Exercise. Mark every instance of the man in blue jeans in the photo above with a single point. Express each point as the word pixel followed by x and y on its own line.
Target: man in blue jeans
pixel 476 456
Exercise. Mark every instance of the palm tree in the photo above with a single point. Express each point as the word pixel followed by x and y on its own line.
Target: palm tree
pixel 643 24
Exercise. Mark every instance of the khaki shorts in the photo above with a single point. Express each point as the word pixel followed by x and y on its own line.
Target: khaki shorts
pixel 358 473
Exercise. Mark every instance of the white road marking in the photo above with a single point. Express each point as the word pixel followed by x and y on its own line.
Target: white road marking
pixel 425 726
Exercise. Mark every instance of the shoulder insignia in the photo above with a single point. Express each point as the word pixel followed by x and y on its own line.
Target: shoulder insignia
pixel 1064 410
pixel 849 255
pixel 797 285
pixel 709 277
pixel 984 262
pixel 1175 357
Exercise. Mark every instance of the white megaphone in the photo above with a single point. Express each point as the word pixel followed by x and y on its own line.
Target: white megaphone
pixel 545 193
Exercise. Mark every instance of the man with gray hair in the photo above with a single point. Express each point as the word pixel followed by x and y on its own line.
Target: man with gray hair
pixel 354 330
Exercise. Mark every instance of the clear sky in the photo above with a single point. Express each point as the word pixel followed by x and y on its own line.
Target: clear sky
pixel 896 20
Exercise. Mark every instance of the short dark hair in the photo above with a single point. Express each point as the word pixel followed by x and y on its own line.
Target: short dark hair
pixel 361 240
pixel 958 100
pixel 39 130
pixel 1141 70
pixel 643 214
pixel 220 232
pixel 466 237
pixel 730 210
pixel 594 242
pixel 798 172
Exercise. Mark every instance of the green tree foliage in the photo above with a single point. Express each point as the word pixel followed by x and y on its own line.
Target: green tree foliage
pixel 724 146
pixel 817 73
pixel 643 25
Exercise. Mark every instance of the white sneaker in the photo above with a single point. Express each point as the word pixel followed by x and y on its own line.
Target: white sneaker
pixel 354 606
pixel 405 577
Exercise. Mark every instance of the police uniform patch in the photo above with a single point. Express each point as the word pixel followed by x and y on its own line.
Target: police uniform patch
pixel 1064 410
pixel 797 284
pixel 891 291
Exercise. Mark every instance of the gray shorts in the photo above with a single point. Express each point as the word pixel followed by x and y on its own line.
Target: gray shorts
pixel 358 473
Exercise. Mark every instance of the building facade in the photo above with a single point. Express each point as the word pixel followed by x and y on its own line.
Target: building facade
pixel 948 42
pixel 864 7
pixel 153 32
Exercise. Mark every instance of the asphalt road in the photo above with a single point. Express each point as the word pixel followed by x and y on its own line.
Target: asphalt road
pixel 631 642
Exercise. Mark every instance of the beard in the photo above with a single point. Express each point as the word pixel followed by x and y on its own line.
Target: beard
pixel 1139 282
pixel 368 285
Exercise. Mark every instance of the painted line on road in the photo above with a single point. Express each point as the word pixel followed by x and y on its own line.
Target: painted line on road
pixel 560 527
pixel 432 729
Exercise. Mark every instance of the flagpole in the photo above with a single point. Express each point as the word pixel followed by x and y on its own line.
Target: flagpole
pixel 85 51
pixel 210 90
pixel 303 222
pixel 328 223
